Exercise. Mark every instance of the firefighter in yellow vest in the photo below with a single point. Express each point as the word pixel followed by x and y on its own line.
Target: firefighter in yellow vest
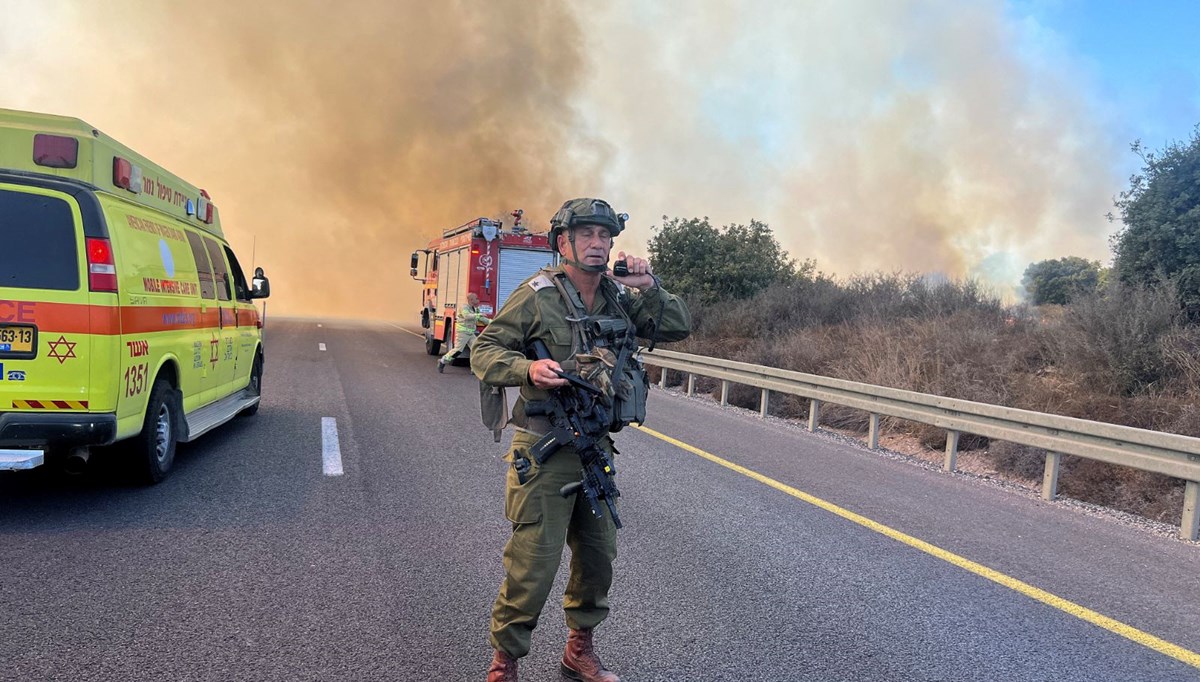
pixel 465 323
pixel 541 309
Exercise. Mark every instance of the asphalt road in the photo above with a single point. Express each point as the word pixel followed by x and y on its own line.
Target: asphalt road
pixel 250 563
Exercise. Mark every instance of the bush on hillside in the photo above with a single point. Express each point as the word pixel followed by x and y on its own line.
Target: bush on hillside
pixel 1161 216
pixel 1123 355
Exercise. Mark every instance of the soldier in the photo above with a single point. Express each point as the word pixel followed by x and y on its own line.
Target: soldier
pixel 465 323
pixel 582 233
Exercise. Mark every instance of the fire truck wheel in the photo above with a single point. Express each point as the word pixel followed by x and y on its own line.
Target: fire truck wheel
pixel 432 346
pixel 153 450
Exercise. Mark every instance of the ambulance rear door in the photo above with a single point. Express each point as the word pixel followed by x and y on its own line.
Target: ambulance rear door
pixel 45 317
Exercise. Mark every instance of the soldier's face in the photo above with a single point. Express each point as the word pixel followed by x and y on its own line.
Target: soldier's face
pixel 593 244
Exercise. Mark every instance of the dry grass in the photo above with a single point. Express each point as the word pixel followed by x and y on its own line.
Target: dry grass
pixel 1123 357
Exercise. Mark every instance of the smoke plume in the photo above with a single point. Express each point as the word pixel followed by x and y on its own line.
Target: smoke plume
pixel 918 135
pixel 335 141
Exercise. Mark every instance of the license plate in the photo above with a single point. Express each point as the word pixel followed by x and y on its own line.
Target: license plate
pixel 18 341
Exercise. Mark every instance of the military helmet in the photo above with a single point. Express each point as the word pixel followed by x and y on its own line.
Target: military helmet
pixel 585 211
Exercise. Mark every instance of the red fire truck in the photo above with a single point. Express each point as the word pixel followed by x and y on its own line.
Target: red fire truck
pixel 478 257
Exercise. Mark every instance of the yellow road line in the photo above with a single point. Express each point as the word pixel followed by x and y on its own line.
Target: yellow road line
pixel 1145 639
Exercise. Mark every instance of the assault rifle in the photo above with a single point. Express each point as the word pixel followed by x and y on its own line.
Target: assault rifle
pixel 577 418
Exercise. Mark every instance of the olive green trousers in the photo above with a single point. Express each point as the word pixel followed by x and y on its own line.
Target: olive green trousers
pixel 542 521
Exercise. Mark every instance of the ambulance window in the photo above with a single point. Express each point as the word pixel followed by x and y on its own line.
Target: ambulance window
pixel 239 278
pixel 203 269
pixel 39 247
pixel 221 273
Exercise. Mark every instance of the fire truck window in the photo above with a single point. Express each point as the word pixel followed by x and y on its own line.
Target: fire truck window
pixel 203 268
pixel 239 278
pixel 435 262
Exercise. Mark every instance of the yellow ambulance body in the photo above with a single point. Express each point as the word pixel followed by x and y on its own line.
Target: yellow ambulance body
pixel 124 315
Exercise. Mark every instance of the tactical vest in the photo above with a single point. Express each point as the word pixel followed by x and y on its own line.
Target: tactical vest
pixel 604 352
pixel 601 354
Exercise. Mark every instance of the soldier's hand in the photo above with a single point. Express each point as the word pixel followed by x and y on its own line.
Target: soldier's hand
pixel 541 374
pixel 639 272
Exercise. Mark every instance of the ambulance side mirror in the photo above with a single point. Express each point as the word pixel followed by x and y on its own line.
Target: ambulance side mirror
pixel 260 286
pixel 412 272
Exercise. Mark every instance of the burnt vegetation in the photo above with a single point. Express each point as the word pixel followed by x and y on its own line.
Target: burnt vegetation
pixel 1119 346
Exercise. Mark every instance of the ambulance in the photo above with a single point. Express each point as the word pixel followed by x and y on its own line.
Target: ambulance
pixel 125 317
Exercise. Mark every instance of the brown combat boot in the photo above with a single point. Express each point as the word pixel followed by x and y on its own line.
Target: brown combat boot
pixel 504 668
pixel 580 661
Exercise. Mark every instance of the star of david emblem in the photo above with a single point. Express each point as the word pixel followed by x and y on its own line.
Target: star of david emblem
pixel 56 349
pixel 213 345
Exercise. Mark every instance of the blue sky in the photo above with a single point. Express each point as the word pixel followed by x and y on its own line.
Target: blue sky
pixel 1144 57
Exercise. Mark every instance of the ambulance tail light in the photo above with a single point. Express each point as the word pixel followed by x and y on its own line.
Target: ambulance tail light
pixel 55 151
pixel 102 269
pixel 126 175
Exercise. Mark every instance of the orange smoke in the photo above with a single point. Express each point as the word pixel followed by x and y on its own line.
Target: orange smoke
pixel 334 141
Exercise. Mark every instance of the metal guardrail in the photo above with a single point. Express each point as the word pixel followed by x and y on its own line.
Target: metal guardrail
pixel 1163 453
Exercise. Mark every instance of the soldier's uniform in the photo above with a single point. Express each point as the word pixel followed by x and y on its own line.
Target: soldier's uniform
pixel 542 519
pixel 466 321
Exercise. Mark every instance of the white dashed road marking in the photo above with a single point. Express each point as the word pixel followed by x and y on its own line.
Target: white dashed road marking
pixel 331 451
pixel 320 346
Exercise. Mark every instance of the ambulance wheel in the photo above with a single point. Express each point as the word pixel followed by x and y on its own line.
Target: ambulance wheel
pixel 255 385
pixel 154 447
pixel 432 347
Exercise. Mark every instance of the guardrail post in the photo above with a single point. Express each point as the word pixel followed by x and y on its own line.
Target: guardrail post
pixel 873 434
pixel 662 378
pixel 1190 527
pixel 814 414
pixel 766 399
pixel 951 463
pixel 1050 478
pixel 724 391
pixel 691 384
